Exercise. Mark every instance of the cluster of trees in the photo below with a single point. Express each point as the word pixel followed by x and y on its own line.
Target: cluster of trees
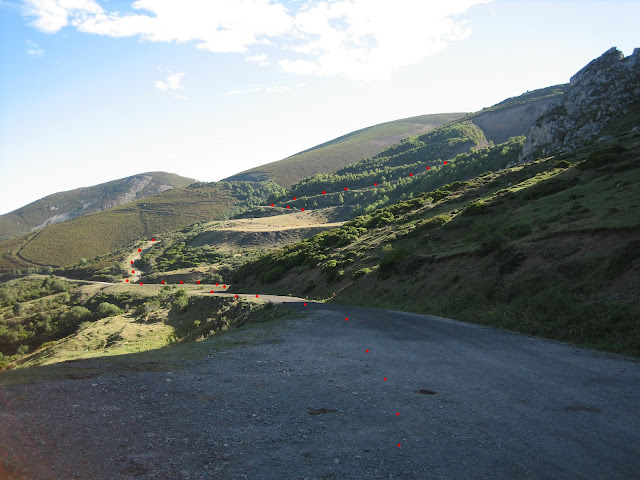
pixel 394 184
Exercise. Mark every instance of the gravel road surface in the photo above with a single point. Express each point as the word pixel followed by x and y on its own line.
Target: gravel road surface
pixel 308 401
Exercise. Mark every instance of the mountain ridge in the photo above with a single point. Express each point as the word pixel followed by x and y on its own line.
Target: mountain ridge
pixel 78 202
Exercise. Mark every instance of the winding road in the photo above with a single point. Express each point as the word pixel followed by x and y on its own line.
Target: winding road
pixel 382 395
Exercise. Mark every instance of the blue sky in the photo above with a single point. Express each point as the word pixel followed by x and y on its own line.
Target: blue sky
pixel 94 90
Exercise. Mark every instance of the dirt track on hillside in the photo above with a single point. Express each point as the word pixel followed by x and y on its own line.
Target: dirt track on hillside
pixel 309 402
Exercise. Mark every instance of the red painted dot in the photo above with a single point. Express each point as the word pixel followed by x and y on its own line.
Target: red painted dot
pixel 295 198
pixel 180 281
pixel 133 271
pixel 345 188
pixel 256 295
pixel 162 282
pixel 445 163
pixel 375 184
pixel 236 296
pixel 303 209
pixel 288 206
pixel 140 283
pixel 198 281
pixel 367 350
pixel 398 444
pixel 132 262
pixel 224 286
pixel 385 379
pixel 127 279
pixel 272 205
pixel 397 414
pixel 428 168
pixel 324 192
pixel 139 249
pixel 411 174
pixel 305 304
pixel 211 291
pixel 217 284
pixel 153 239
pixel 346 319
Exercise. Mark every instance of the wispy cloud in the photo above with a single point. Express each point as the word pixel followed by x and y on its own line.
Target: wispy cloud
pixel 259 90
pixel 172 84
pixel 356 39
pixel 261 60
pixel 33 49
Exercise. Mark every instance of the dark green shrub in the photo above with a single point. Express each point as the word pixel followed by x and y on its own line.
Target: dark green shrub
pixel 70 320
pixel 361 273
pixel 476 207
pixel 106 309
pixel 390 263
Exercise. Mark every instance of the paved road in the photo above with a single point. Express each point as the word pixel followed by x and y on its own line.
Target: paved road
pixel 311 402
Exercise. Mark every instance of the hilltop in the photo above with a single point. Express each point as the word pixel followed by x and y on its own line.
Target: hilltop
pixel 344 150
pixel 63 206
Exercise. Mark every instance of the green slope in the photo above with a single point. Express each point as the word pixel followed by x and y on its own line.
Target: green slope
pixel 550 248
pixel 344 150
pixel 87 237
pixel 75 203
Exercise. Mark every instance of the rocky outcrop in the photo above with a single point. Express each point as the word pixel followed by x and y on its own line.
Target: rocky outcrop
pixel 600 92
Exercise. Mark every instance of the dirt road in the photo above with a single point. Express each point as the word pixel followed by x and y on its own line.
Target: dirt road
pixel 430 399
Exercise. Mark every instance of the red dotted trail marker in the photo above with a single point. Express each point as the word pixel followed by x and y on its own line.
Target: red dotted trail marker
pixel 162 282
pixel 198 282
pixel 272 205
pixel 398 444
pixel 256 295
pixel 411 174
pixel 153 239
pixel 217 284
pixel 211 291
pixel 346 188
pixel 131 262
pixel 428 168
pixel 180 281
pixel 133 271
pixel 385 379
pixel 397 414
pixel 305 304
pixel 375 184
pixel 288 206
pixel 224 286
pixel 295 198
pixel 127 279
pixel 367 350
pixel 303 209
pixel 445 163
pixel 140 283
pixel 139 249
pixel 324 192
pixel 236 296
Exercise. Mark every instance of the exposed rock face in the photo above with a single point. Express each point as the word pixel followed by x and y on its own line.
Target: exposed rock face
pixel 600 92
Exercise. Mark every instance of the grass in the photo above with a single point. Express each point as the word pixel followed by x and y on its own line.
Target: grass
pixel 83 201
pixel 547 248
pixel 65 244
pixel 335 154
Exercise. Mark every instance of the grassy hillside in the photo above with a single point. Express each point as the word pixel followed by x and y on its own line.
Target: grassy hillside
pixel 46 320
pixel 99 234
pixel 335 154
pixel 515 116
pixel 413 166
pixel 550 248
pixel 71 204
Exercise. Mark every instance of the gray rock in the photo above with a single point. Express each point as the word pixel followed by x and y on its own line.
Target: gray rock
pixel 598 93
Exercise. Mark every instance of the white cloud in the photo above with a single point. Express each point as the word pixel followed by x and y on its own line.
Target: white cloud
pixel 261 60
pixel 172 83
pixel 356 39
pixel 259 90
pixel 33 49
